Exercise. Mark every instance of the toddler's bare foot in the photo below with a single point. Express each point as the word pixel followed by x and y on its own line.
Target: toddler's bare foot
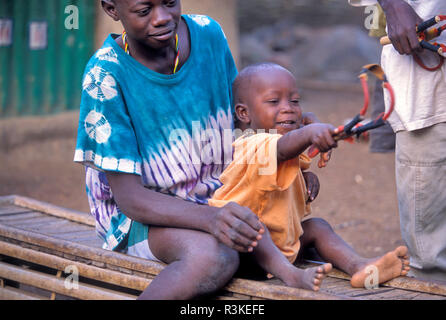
pixel 310 279
pixel 391 265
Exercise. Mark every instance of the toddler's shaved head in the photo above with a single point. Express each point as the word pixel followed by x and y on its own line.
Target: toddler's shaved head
pixel 243 82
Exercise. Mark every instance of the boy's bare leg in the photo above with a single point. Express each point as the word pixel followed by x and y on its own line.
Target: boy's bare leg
pixel 197 264
pixel 332 248
pixel 271 259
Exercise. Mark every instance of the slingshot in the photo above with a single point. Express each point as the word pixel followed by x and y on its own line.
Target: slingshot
pixel 424 36
pixel 354 128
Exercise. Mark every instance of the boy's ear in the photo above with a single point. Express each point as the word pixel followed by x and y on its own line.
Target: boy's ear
pixel 242 113
pixel 110 8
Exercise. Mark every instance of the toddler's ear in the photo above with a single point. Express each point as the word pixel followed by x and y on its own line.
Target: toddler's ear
pixel 110 9
pixel 242 113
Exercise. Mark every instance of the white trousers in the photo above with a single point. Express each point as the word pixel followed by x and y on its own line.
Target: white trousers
pixel 421 188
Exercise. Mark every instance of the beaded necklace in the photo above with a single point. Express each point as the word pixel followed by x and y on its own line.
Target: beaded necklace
pixel 177 49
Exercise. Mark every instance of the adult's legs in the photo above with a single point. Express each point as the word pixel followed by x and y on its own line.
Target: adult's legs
pixel 421 184
pixel 197 264
pixel 332 248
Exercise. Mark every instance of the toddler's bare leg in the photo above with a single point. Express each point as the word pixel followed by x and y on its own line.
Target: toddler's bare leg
pixel 332 248
pixel 197 264
pixel 271 259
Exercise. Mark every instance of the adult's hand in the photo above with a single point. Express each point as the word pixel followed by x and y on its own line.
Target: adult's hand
pixel 401 24
pixel 237 227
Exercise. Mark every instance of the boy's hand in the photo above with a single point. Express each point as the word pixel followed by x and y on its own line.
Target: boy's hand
pixel 401 22
pixel 324 158
pixel 321 136
pixel 313 186
pixel 237 227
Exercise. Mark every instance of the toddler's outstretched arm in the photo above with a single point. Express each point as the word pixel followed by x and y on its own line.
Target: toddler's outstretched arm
pixel 297 141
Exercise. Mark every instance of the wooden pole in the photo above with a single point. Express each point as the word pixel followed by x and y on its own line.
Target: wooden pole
pixel 87 271
pixel 9 293
pixel 106 257
pixel 51 283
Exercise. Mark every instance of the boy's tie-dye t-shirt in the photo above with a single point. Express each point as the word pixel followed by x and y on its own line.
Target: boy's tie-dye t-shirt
pixel 172 130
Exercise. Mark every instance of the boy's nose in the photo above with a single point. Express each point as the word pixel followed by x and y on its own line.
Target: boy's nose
pixel 286 108
pixel 161 17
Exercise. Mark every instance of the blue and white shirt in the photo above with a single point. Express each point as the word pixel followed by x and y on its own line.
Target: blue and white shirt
pixel 172 130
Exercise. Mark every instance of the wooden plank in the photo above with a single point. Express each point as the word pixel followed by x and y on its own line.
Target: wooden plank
pixel 94 242
pixel 328 283
pixel 337 285
pixel 426 296
pixel 11 219
pixel 33 222
pixel 276 292
pixel 54 225
pixel 11 209
pixel 68 227
pixel 72 215
pixel 410 295
pixel 53 284
pixel 401 294
pixel 374 294
pixel 7 200
pixel 10 293
pixel 225 298
pixel 405 283
pixel 413 284
pixel 62 226
pixel 77 235
pixel 344 289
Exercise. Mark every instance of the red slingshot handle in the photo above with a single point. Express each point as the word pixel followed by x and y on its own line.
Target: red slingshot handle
pixel 375 69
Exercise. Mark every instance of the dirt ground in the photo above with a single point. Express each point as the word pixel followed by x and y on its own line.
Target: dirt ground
pixel 357 196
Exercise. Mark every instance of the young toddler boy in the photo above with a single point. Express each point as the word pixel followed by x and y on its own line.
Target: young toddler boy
pixel 267 176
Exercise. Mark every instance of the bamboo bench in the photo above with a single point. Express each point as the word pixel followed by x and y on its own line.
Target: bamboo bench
pixel 49 252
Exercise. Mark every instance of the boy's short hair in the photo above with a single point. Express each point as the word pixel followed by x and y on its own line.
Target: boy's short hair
pixel 243 78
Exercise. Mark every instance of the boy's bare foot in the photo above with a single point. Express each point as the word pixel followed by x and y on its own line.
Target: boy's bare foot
pixel 391 265
pixel 310 279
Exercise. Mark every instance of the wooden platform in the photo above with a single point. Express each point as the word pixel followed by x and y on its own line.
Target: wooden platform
pixel 49 252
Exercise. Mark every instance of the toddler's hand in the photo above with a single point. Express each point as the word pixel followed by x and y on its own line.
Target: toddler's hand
pixel 321 136
pixel 237 227
pixel 324 158
pixel 313 186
